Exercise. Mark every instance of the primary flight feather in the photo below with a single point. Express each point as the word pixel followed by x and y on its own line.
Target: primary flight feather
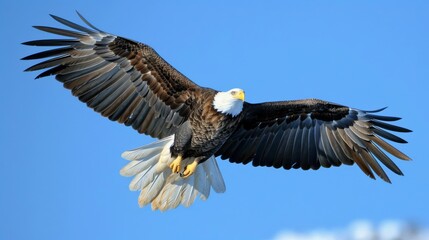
pixel 130 83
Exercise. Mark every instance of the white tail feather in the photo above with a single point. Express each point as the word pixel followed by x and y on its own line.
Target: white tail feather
pixel 214 174
pixel 136 167
pixel 158 185
pixel 142 152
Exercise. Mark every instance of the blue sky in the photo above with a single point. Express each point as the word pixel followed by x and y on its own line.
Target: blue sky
pixel 60 161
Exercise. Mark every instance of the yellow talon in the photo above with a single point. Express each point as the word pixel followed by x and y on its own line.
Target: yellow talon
pixel 175 165
pixel 190 169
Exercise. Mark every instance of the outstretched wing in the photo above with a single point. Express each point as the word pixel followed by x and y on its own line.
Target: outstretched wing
pixel 123 80
pixel 312 133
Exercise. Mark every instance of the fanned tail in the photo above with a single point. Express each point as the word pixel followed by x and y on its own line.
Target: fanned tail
pixel 158 185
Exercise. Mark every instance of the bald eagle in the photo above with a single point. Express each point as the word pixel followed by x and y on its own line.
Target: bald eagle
pixel 128 82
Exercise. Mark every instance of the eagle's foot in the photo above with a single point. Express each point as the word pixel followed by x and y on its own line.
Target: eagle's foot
pixel 176 164
pixel 189 169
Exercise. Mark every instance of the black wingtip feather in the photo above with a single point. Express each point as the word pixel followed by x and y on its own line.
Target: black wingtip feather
pixel 389 126
pixel 375 111
pixel 388 135
pixel 51 42
pixel 87 22
pixel 72 24
pixel 28 43
pixel 383 118
pixel 51 71
pixel 59 31
pixel 48 53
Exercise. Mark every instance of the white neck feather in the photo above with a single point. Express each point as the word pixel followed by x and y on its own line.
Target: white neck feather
pixel 225 103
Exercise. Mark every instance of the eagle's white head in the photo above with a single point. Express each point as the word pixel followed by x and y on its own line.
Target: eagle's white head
pixel 230 102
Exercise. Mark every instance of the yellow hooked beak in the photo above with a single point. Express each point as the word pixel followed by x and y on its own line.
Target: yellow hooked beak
pixel 239 95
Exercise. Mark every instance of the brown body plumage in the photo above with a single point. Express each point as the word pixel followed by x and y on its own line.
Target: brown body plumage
pixel 210 128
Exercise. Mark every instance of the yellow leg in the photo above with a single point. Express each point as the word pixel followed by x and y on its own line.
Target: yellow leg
pixel 190 169
pixel 176 164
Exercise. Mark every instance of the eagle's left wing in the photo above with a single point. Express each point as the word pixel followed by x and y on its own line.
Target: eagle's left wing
pixel 312 133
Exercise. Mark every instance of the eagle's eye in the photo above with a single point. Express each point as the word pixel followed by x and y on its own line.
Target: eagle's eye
pixel 233 92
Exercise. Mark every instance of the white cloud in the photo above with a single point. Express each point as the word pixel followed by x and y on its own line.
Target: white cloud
pixel 391 230
pixel 314 235
pixel 362 230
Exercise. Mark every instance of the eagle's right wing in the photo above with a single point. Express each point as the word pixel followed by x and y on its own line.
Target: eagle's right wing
pixel 123 80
